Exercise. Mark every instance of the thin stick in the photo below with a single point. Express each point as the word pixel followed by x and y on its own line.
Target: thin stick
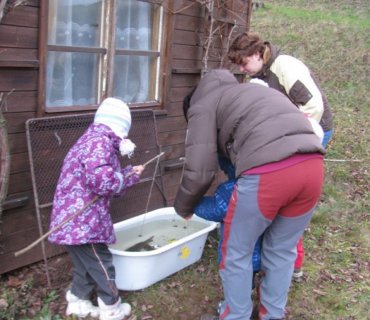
pixel 150 194
pixel 156 157
pixel 33 244
pixel 343 160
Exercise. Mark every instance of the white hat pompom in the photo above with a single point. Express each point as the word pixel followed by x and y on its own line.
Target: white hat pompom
pixel 127 147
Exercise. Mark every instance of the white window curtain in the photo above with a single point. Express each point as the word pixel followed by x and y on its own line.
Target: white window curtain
pixel 76 77
pixel 59 68
pixel 133 32
pixel 72 76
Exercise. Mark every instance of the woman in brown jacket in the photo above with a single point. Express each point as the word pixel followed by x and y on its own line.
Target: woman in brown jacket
pixel 279 168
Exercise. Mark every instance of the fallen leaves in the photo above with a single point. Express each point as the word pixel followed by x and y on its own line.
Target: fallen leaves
pixel 14 282
pixel 3 304
pixel 319 292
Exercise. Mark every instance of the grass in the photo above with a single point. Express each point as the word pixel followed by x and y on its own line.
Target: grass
pixel 332 38
pixel 317 15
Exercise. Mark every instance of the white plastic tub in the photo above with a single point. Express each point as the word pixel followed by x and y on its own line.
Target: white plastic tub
pixel 179 243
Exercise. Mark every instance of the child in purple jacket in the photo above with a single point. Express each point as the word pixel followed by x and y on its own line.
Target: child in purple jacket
pixel 92 168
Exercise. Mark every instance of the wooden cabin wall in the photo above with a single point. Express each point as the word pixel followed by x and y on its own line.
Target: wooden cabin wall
pixel 19 67
pixel 186 54
pixel 18 83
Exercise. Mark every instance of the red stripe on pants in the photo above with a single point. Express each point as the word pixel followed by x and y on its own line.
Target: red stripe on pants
pixel 227 224
pixel 300 255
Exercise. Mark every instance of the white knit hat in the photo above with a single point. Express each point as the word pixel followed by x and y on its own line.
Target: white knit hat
pixel 115 114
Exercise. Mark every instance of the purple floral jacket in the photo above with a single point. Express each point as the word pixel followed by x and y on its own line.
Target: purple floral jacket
pixel 90 168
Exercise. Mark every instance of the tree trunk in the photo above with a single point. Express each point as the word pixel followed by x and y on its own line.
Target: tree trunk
pixel 4 159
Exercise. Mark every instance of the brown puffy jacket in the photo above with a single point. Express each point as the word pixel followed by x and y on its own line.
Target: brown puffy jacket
pixel 248 123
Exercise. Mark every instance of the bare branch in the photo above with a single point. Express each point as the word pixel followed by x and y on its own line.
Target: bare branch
pixel 182 9
pixel 3 4
pixel 343 160
pixel 228 44
pixel 4 100
pixel 210 7
pixel 6 6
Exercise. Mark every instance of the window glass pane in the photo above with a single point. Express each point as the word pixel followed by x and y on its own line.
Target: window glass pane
pixel 134 79
pixel 75 22
pixel 134 25
pixel 71 79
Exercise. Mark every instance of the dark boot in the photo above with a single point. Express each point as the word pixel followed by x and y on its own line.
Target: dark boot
pixel 254 315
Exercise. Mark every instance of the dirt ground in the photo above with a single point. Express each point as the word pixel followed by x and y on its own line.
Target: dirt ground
pixel 32 285
pixel 184 295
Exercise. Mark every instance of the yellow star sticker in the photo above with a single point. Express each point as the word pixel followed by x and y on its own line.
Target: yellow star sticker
pixel 185 251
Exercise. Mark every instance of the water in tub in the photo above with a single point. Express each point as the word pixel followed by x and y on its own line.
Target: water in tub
pixel 154 234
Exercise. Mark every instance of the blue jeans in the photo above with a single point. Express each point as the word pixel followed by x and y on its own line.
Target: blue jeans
pixel 327 135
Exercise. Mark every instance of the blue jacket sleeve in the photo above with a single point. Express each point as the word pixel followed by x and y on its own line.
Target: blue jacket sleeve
pixel 256 258
pixel 214 208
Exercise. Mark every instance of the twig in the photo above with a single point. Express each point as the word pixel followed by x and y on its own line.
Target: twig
pixel 3 4
pixel 156 157
pixel 182 9
pixel 228 44
pixel 210 7
pixel 3 100
pixel 33 244
pixel 5 7
pixel 343 160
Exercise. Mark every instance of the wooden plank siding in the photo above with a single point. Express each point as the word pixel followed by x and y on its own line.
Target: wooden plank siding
pixel 186 62
pixel 19 76
pixel 19 84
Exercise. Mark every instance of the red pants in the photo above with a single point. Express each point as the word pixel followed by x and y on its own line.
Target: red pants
pixel 266 204
pixel 300 254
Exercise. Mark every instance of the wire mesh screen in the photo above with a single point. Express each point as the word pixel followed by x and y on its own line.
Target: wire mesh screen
pixel 49 139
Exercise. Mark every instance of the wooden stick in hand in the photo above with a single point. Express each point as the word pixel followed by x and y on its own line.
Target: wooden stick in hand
pixel 56 228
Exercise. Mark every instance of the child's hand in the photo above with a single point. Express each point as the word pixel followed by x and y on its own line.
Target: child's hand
pixel 138 169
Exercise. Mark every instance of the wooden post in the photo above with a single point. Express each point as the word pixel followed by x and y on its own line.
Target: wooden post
pixel 4 156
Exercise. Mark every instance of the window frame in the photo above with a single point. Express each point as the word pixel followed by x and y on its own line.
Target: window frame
pixel 109 52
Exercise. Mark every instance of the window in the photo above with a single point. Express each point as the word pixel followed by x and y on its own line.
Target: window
pixel 102 47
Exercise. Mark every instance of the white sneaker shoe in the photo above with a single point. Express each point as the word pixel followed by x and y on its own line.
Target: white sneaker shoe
pixel 79 307
pixel 117 311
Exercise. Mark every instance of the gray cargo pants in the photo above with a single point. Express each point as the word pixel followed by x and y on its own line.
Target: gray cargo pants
pixel 93 269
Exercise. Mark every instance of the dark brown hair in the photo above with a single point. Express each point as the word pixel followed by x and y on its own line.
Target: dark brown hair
pixel 245 45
